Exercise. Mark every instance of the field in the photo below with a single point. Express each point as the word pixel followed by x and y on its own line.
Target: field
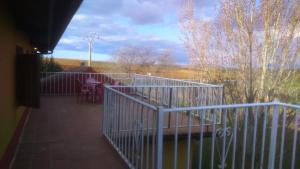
pixel 181 72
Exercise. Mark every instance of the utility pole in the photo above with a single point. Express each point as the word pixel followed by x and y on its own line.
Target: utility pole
pixel 91 37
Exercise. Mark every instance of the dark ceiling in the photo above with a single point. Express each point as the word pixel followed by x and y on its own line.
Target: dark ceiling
pixel 44 21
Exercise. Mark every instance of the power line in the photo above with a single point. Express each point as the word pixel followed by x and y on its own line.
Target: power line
pixel 91 38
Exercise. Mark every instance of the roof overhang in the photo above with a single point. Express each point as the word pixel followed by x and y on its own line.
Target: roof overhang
pixel 44 21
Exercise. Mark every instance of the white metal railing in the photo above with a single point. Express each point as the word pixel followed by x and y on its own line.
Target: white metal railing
pixel 64 83
pixel 163 81
pixel 261 135
pixel 124 126
pixel 254 136
pixel 176 96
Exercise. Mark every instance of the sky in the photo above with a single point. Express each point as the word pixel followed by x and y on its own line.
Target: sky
pixel 151 23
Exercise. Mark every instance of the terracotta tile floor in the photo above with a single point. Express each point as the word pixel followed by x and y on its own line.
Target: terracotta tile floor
pixel 65 135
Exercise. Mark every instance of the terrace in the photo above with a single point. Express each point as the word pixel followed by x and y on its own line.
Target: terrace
pixel 137 121
pixel 64 134
pixel 153 122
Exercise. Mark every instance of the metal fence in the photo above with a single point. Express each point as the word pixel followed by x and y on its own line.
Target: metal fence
pixel 262 135
pixel 65 83
pixel 125 124
pixel 176 96
pixel 163 81
pixel 250 136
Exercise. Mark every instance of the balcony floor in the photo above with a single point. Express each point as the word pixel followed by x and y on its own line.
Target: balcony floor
pixel 65 135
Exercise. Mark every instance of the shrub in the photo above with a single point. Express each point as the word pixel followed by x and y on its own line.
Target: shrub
pixel 49 65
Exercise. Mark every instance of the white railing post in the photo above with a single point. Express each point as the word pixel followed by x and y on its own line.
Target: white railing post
pixel 272 150
pixel 296 121
pixel 160 137
pixel 105 106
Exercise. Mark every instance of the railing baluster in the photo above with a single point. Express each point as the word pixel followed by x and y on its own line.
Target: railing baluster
pixel 282 138
pixel 189 139
pixel 296 130
pixel 245 114
pixel 224 139
pixel 263 137
pixel 160 137
pixel 142 137
pixel 176 142
pixel 234 138
pixel 201 140
pixel 126 128
pixel 273 139
pixel 154 123
pixel 213 140
pixel 147 140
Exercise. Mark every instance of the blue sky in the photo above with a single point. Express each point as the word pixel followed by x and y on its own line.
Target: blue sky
pixel 151 23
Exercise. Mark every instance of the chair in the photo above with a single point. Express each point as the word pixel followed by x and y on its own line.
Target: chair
pixel 82 91
pixel 99 93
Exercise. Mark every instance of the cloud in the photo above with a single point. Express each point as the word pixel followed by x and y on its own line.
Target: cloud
pixel 79 17
pixel 115 38
pixel 71 40
pixel 66 41
pixel 143 12
pixel 127 22
pixel 138 11
pixel 101 7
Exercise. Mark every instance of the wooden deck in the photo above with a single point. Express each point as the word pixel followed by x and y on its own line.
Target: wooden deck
pixel 65 135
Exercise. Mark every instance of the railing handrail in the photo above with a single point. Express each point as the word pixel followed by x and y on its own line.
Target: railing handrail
pixel 227 106
pixel 289 105
pixel 179 80
pixel 160 86
pixel 88 72
pixel 130 97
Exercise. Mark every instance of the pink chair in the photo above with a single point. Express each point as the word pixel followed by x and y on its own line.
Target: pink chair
pixel 99 91
pixel 82 91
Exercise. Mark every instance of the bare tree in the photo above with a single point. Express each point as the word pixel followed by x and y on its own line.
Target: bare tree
pixel 124 59
pixel 254 42
pixel 165 62
pixel 131 58
pixel 165 58
pixel 281 45
pixel 257 41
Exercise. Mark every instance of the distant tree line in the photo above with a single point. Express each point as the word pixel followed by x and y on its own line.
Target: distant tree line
pixel 143 59
pixel 49 65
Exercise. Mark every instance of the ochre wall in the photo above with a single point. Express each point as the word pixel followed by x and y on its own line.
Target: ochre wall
pixel 9 112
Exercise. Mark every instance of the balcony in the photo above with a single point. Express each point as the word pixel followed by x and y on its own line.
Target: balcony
pixel 146 122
